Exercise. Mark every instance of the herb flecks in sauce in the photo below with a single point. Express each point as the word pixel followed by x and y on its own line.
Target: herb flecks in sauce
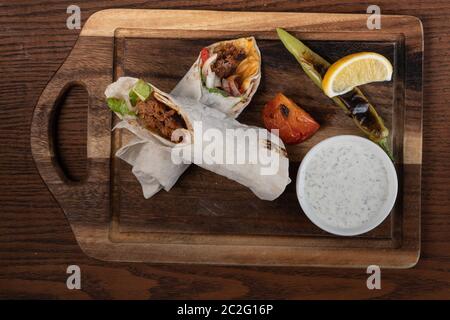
pixel 346 185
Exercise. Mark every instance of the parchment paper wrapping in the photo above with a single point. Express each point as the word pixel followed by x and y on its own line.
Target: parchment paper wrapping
pixel 146 148
pixel 156 165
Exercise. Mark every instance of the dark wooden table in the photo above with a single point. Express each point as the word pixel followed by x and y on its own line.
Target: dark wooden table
pixel 37 244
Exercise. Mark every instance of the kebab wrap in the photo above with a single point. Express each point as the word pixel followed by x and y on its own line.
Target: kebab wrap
pixel 173 132
pixel 225 76
pixel 152 118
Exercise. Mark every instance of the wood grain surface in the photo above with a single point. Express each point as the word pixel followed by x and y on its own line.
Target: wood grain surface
pixel 205 218
pixel 37 244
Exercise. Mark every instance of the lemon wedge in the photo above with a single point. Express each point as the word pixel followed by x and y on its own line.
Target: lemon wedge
pixel 355 70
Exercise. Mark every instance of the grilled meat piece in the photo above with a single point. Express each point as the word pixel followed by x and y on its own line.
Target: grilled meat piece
pixel 228 59
pixel 159 118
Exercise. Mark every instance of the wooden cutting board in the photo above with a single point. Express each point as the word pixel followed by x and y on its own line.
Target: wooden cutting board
pixel 206 218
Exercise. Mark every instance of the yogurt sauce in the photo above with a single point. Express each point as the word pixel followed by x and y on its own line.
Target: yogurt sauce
pixel 345 184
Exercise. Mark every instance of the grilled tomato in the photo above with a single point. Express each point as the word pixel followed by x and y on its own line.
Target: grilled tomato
pixel 295 125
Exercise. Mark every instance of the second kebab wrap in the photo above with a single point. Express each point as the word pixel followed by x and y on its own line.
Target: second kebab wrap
pixel 172 132
pixel 225 76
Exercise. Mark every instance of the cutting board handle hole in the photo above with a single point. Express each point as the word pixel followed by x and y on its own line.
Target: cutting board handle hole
pixel 69 121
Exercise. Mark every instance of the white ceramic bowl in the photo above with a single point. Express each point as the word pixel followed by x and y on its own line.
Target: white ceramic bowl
pixel 375 219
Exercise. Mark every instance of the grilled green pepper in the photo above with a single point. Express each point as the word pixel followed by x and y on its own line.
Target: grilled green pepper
pixel 354 103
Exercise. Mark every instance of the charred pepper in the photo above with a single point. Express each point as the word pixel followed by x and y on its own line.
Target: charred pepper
pixel 354 103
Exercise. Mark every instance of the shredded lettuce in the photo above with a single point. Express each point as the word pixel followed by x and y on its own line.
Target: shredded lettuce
pixel 203 78
pixel 218 91
pixel 133 98
pixel 140 91
pixel 119 106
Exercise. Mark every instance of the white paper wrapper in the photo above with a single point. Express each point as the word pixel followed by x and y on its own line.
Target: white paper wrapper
pixel 192 87
pixel 140 153
pixel 156 165
pixel 267 176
